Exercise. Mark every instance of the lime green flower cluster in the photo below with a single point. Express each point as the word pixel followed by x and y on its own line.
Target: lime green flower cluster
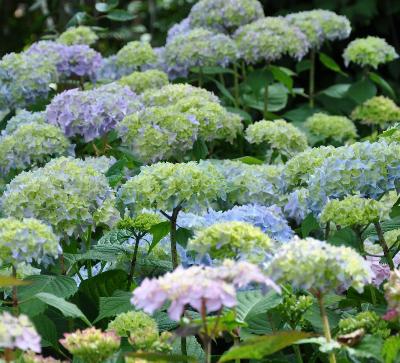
pixel 166 186
pixel 173 93
pixel 299 168
pixel 32 144
pixel 369 52
pixel 70 195
pixel 165 131
pixel 27 240
pixel 232 240
pixel 337 128
pixel 321 25
pixel 369 321
pixel 91 345
pixel 78 35
pixel 139 82
pixel 316 265
pixel 293 308
pixel 279 135
pixel 354 211
pixel 378 110
pixel 140 328
pixel 135 54
pixel 142 222
pixel 392 134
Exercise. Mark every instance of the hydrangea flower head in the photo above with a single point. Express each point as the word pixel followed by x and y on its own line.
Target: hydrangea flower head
pixel 369 52
pixel 208 288
pixel 280 135
pixel 392 295
pixel 78 35
pixel 198 48
pixel 70 195
pixel 139 82
pixel 24 117
pixel 369 321
pixel 269 39
pixel 134 55
pixel 31 357
pixel 298 169
pixel 140 328
pixel 337 128
pixel 354 211
pixel 166 186
pixel 91 114
pixel 377 110
pixel 233 240
pixel 91 345
pixel 25 79
pixel 32 144
pixel 321 25
pixel 142 222
pixel 27 240
pixel 17 332
pixel 183 27
pixel 225 15
pixel 297 205
pixel 312 264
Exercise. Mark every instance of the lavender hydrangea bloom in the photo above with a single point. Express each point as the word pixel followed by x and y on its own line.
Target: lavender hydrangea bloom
pixel 71 60
pixel 182 27
pixel 92 113
pixel 269 219
pixel 297 205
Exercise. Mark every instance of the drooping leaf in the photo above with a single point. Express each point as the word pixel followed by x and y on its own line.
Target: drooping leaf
pixel 281 75
pixel 46 329
pixel 243 114
pixel 344 237
pixel 68 309
pixel 309 225
pixel 329 63
pixel 385 86
pixel 159 231
pixel 361 91
pixel 337 91
pixel 119 15
pixel 119 302
pixel 260 347
pixel 250 160
pixel 200 150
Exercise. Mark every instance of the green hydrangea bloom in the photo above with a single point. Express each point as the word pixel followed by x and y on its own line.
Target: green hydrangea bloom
pixel 142 223
pixel 78 35
pixel 293 307
pixel 140 328
pixel 354 211
pixel 139 82
pixel 24 117
pixel 32 144
pixel 337 128
pixel 166 186
pixel 392 134
pixel 69 194
pixel 279 135
pixel 369 51
pixel 269 39
pixel 91 345
pixel 317 265
pixel 26 240
pixel 378 110
pixel 369 321
pixel 298 169
pixel 232 240
pixel 173 93
pixel 135 54
pixel 321 25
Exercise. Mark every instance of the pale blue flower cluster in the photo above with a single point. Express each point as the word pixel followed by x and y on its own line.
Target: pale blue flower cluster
pixel 24 117
pixel 91 114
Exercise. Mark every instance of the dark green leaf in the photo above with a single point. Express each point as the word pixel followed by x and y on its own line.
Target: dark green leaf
pixel 337 91
pixel 258 79
pixel 46 329
pixel 245 116
pixel 120 15
pixel 329 63
pixel 200 150
pixel 386 87
pixel 211 70
pixel 345 237
pixel 303 65
pixel 282 76
pixel 387 226
pixel 164 323
pixel 277 97
pixel 361 91
pixel 194 348
pixel 115 237
pixel 370 348
pixel 68 309
pixel 104 7
pixel 309 225
pixel 299 114
pixel 250 160
pixel 224 91
pixel 119 302
pixel 183 235
pixel 159 231
pixel 260 347
pixel 78 19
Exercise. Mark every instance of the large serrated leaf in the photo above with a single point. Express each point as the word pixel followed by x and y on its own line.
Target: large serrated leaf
pixel 164 323
pixel 193 347
pixel 47 330
pixel 119 302
pixel 151 266
pixel 115 237
pixel 387 226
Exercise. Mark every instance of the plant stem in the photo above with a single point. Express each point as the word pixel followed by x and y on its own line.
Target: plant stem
pixel 133 262
pixel 297 351
pixel 236 341
pixel 384 245
pixel 14 292
pixel 327 230
pixel 266 101
pixel 174 253
pixel 311 88
pixel 236 85
pixel 244 73
pixel 325 322
pixel 88 244
pixel 205 336
pixel 8 355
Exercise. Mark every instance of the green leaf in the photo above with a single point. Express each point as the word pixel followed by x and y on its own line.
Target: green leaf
pixel 329 63
pixel 68 309
pixel 78 19
pixel 183 235
pixel 98 254
pixel 159 231
pixel 386 87
pixel 370 348
pixel 277 97
pixel 152 266
pixel 245 116
pixel 303 65
pixel 224 91
pixel 194 348
pixel 119 302
pixel 107 6
pixel 211 70
pixel 387 226
pixel 47 330
pixel 313 316
pixel 282 76
pixel 337 91
pixel 260 347
pixel 309 225
pixel 120 15
pixel 344 237
pixel 361 91
pixel 61 286
pixel 258 79
pixel 300 114
pixel 200 150
pixel 250 160
pixel 391 349
pixel 115 237
pixel 164 323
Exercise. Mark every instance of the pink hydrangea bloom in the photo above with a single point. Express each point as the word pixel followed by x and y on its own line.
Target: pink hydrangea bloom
pixel 197 286
pixel 381 271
